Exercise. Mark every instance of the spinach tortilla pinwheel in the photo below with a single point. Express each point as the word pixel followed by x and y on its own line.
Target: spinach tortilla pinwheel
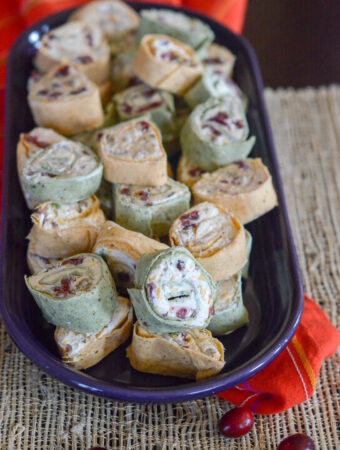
pixel 84 350
pixel 213 83
pixel 244 187
pixel 78 293
pixel 173 292
pixel 150 210
pixel 229 310
pixel 121 249
pixel 80 44
pixel 66 100
pixel 117 20
pixel 191 354
pixel 219 58
pixel 132 153
pixel 214 237
pixel 61 230
pixel 189 30
pixel 249 245
pixel 64 172
pixel 166 63
pixel 144 100
pixel 216 132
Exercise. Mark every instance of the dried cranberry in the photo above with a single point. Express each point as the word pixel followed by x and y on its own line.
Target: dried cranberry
pixel 99 136
pixel 143 195
pixel 148 203
pixel 64 289
pixel 34 140
pixel 63 71
pixel 51 36
pixel 145 108
pixel 55 95
pixel 169 56
pixel 125 191
pixel 42 92
pixel 85 59
pixel 68 348
pixel 73 261
pixel 238 124
pixel 214 131
pixel 195 172
pixel 78 91
pixel 241 164
pixel 212 311
pixel 149 93
pixel 237 422
pixel 220 118
pixel 182 313
pixel 297 442
pixel 123 277
pixel 225 181
pixel 150 287
pixel 134 81
pixel 180 265
pixel 89 40
pixel 193 215
pixel 126 109
pixel 212 61
pixel 145 126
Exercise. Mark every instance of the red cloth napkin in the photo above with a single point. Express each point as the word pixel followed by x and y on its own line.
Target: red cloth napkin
pixel 291 378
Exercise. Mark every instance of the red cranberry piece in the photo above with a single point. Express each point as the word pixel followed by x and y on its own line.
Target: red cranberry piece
pixel 193 215
pixel 214 131
pixel 150 287
pixel 63 71
pixel 55 95
pixel 145 126
pixel 99 136
pixel 73 261
pixel 145 108
pixel 34 140
pixel 127 109
pixel 241 164
pixel 297 442
pixel 125 191
pixel 89 40
pixel 85 59
pixel 149 93
pixel 51 36
pixel 42 92
pixel 134 81
pixel 212 61
pixel 78 91
pixel 182 313
pixel 224 181
pixel 212 311
pixel 168 56
pixel 220 118
pixel 195 172
pixel 123 277
pixel 180 265
pixel 143 195
pixel 237 422
pixel 238 124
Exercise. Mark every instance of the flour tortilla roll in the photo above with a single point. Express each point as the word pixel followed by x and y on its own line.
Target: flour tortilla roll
pixel 65 172
pixel 214 237
pixel 244 187
pixel 173 292
pixel 82 351
pixel 31 143
pixel 165 63
pixel 61 230
pixel 216 133
pixel 229 310
pixel 189 30
pixel 66 100
pixel 132 153
pixel 35 262
pixel 80 44
pixel 220 58
pixel 150 210
pixel 191 354
pixel 121 250
pixel 115 18
pixel 187 172
pixel 78 293
pixel 143 100
pixel 213 83
pixel 122 73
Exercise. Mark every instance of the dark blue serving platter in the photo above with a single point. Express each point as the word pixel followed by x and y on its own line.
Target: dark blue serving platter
pixel 273 292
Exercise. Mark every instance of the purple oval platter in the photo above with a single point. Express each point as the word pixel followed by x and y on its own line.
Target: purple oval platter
pixel 273 292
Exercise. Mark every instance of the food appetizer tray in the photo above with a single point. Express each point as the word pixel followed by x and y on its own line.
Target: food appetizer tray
pixel 273 292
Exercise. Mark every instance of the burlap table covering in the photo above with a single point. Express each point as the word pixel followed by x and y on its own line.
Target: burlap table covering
pixel 38 412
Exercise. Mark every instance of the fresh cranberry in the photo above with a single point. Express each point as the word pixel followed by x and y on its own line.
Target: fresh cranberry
pixel 297 442
pixel 237 422
pixel 180 265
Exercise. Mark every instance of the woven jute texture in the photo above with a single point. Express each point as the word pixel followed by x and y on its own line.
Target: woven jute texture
pixel 38 412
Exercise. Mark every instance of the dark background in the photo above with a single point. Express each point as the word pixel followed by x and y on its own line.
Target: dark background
pixel 297 42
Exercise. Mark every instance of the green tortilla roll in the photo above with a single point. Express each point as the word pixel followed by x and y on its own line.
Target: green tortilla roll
pixel 77 293
pixel 144 100
pixel 64 172
pixel 213 83
pixel 173 292
pixel 249 245
pixel 215 134
pixel 150 210
pixel 229 310
pixel 186 29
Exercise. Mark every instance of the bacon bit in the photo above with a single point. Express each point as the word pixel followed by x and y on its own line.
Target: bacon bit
pixel 34 140
pixel 64 289
pixel 241 164
pixel 63 71
pixel 212 61
pixel 180 265
pixel 125 191
pixel 55 95
pixel 127 109
pixel 212 129
pixel 78 91
pixel 220 118
pixel 145 126
pixel 145 108
pixel 143 195
pixel 238 124
pixel 42 92
pixel 123 277
pixel 73 261
pixel 150 287
pixel 212 311
pixel 195 172
pixel 85 59
pixel 89 40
